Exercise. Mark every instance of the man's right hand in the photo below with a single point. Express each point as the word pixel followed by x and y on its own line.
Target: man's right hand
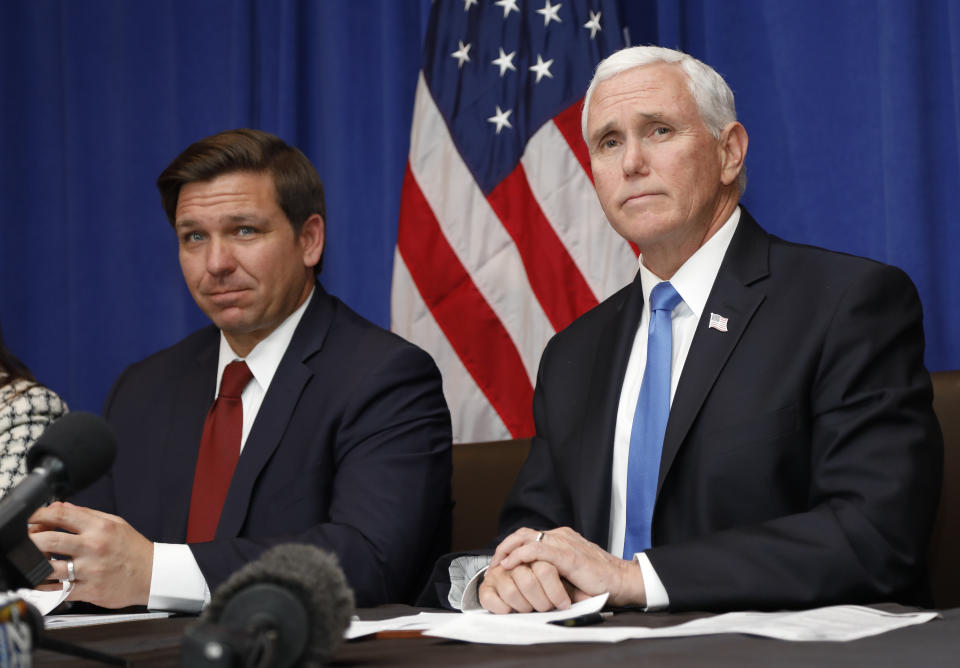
pixel 113 563
pixel 544 570
pixel 526 588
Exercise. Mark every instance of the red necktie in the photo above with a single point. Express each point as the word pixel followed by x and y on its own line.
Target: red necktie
pixel 219 452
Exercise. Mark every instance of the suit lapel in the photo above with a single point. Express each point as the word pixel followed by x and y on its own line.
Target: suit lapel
pixel 600 414
pixel 735 297
pixel 276 411
pixel 195 393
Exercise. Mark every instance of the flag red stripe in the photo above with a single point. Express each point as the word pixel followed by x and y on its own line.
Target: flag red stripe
pixel 554 277
pixel 568 122
pixel 468 322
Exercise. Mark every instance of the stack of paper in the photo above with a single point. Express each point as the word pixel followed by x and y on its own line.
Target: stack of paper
pixel 836 623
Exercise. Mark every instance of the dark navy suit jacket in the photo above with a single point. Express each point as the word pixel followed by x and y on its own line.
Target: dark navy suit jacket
pixel 802 459
pixel 350 452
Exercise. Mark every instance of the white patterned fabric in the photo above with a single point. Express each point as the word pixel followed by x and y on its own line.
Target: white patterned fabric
pixel 25 411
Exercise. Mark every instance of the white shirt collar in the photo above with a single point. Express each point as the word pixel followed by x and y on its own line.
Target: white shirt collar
pixel 265 357
pixel 694 279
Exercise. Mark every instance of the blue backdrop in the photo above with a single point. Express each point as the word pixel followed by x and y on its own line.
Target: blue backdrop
pixel 853 110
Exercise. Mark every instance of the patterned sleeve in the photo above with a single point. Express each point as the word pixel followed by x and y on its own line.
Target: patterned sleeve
pixel 25 411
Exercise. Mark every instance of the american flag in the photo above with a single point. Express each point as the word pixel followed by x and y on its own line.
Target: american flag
pixel 717 322
pixel 502 241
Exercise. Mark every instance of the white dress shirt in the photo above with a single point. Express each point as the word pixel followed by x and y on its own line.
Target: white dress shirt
pixel 176 582
pixel 693 281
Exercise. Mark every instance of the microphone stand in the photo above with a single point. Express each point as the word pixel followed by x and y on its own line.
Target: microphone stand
pixel 31 617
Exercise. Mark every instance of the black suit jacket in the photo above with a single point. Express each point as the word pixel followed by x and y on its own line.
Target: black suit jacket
pixel 802 460
pixel 350 451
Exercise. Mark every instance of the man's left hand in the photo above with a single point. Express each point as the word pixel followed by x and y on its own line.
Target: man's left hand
pixel 586 566
pixel 113 563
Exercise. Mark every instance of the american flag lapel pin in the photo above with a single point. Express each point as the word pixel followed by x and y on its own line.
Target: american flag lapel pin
pixel 717 322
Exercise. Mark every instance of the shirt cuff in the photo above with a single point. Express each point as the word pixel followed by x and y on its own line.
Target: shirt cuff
pixel 465 575
pixel 657 598
pixel 176 582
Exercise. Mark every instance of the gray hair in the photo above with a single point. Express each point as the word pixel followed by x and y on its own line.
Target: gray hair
pixel 710 92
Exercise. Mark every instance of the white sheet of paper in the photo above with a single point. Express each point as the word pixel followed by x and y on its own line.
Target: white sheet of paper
pixel 72 621
pixel 511 630
pixel 838 623
pixel 585 607
pixel 835 623
pixel 431 620
pixel 424 620
pixel 45 601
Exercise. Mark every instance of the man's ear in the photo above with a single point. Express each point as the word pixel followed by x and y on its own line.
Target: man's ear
pixel 733 151
pixel 311 239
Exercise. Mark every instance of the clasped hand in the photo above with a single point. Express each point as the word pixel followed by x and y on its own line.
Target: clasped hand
pixel 563 567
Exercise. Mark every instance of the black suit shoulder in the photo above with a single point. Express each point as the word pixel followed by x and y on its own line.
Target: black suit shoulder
pixel 368 344
pixel 828 269
pixel 186 348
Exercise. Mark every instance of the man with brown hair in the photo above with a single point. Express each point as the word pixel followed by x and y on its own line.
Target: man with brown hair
pixel 323 428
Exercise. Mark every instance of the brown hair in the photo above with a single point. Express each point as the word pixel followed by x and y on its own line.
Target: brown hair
pixel 299 190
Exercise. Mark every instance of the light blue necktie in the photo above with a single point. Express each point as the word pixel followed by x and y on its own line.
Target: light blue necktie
pixel 650 421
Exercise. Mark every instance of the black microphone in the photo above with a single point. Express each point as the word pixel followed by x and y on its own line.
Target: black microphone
pixel 288 608
pixel 75 451
pixel 69 455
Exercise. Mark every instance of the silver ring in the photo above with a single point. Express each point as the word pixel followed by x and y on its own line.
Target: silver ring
pixel 539 538
pixel 71 571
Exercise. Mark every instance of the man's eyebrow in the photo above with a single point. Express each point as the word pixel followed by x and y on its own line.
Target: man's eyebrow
pixel 230 218
pixel 652 116
pixel 243 218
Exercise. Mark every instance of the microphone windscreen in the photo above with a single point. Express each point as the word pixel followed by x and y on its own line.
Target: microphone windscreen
pixel 84 443
pixel 314 577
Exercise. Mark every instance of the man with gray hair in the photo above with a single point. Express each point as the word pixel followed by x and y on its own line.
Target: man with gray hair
pixel 746 426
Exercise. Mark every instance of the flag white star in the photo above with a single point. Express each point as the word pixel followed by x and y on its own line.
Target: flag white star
pixel 462 54
pixel 467 4
pixel 542 68
pixel 505 62
pixel 508 6
pixel 501 119
pixel 593 25
pixel 549 12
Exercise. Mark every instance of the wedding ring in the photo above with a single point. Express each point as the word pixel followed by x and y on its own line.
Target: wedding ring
pixel 71 572
pixel 539 539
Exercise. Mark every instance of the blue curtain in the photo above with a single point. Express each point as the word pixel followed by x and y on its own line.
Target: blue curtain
pixel 853 110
